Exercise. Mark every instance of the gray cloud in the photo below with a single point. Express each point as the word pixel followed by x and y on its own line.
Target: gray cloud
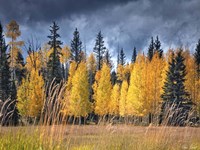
pixel 126 23
pixel 30 11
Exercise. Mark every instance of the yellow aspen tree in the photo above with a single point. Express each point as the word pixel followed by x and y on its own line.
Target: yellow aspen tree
pixel 79 96
pixel 44 56
pixel 14 32
pixel 95 85
pixel 123 72
pixel 120 72
pixel 65 54
pixel 91 63
pixel 72 70
pixel 156 69
pixel 136 96
pixel 66 99
pixel 16 57
pixel 114 100
pixel 36 93
pixel 30 95
pixel 190 82
pixel 33 61
pixel 23 93
pixel 102 90
pixel 123 98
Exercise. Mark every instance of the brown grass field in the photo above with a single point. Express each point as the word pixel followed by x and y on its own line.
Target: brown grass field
pixel 92 137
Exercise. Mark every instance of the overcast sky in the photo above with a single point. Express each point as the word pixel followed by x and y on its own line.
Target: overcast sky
pixel 126 23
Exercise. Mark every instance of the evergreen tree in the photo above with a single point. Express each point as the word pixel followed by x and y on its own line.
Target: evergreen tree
pixel 107 59
pixel 157 46
pixel 134 55
pixel 13 118
pixel 54 65
pixel 174 88
pixel 20 70
pixel 76 47
pixel 197 58
pixel 91 62
pixel 113 77
pixel 122 58
pixel 118 57
pixel 175 95
pixel 151 49
pixel 99 50
pixel 4 68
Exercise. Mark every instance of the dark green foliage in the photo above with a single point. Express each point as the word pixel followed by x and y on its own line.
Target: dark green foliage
pixel 76 47
pixel 151 49
pixel 175 96
pixel 99 50
pixel 20 70
pixel 174 88
pixel 157 46
pixel 122 58
pixel 8 91
pixel 4 69
pixel 197 58
pixel 91 82
pixel 14 117
pixel 118 57
pixel 134 55
pixel 113 77
pixel 54 66
pixel 107 59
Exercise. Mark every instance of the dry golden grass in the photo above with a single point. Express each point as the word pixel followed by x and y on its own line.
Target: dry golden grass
pixel 100 137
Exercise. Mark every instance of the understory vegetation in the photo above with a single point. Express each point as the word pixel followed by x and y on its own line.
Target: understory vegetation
pixel 99 137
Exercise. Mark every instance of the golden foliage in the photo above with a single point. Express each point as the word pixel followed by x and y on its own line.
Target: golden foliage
pixel 91 62
pixel 114 100
pixel 123 98
pixel 30 95
pixel 65 54
pixel 79 104
pixel 102 89
pixel 72 70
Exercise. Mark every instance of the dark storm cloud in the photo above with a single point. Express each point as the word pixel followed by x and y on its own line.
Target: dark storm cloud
pixel 126 23
pixel 48 10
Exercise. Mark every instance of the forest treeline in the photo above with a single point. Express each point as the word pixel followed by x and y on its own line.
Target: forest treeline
pixel 150 86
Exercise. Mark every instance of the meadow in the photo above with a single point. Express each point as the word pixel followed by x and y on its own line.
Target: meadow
pixel 99 137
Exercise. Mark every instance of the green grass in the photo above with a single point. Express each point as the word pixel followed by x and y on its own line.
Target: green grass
pixel 99 138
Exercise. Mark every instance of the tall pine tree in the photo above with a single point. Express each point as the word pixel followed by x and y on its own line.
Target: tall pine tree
pixel 54 65
pixel 175 95
pixel 151 49
pixel 76 47
pixel 134 55
pixel 122 58
pixel 99 50
pixel 197 58
pixel 4 68
pixel 157 46
pixel 20 69
pixel 107 59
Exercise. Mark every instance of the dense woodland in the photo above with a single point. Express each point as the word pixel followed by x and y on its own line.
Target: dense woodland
pixel 87 87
